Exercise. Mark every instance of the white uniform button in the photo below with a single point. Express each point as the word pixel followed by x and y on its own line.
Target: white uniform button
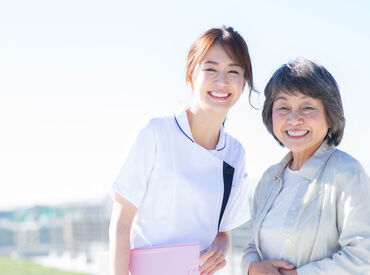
pixel 287 241
pixel 293 209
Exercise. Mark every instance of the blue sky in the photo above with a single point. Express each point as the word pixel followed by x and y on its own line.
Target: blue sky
pixel 79 78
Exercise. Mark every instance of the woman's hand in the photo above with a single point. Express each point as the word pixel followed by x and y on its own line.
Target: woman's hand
pixel 271 267
pixel 213 258
pixel 288 272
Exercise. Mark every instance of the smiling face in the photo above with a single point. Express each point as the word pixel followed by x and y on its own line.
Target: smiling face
pixel 299 122
pixel 218 81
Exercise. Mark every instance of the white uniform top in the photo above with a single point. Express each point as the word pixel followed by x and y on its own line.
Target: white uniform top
pixel 271 234
pixel 177 185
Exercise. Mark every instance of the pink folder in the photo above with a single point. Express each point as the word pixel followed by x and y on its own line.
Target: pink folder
pixel 174 259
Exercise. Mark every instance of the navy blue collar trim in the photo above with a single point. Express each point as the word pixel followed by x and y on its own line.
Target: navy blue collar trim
pixel 190 137
pixel 182 130
pixel 222 147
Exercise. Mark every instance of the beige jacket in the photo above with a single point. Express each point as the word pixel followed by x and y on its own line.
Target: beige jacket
pixel 328 231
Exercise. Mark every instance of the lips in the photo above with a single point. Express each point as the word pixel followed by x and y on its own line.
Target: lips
pixel 219 94
pixel 296 133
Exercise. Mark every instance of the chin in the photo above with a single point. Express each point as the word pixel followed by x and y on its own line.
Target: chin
pixel 218 109
pixel 310 150
pixel 296 148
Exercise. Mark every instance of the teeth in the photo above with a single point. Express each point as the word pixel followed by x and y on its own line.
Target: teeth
pixel 297 133
pixel 215 94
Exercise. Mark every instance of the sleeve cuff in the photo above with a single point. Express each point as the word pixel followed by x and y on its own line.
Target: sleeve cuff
pixel 247 259
pixel 123 194
pixel 234 225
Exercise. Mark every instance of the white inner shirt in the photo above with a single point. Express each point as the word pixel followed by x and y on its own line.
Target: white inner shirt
pixel 271 235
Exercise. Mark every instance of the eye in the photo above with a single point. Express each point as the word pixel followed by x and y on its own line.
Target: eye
pixel 209 70
pixel 308 108
pixel 233 72
pixel 283 108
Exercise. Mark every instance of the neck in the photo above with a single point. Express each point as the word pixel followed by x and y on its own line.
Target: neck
pixel 205 127
pixel 300 158
pixel 298 161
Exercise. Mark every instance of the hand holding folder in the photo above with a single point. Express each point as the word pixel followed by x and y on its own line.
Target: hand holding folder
pixel 174 259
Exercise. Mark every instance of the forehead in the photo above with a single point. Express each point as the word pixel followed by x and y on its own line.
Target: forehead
pixel 288 94
pixel 295 96
pixel 218 52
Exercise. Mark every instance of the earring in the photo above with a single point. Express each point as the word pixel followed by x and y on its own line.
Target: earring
pixel 329 134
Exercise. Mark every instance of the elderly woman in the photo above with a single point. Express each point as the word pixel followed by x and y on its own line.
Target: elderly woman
pixel 311 212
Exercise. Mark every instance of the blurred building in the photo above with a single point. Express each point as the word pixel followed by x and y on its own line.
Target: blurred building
pixel 78 230
pixel 39 230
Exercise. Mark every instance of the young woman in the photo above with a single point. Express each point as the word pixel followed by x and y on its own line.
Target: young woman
pixel 171 186
pixel 311 212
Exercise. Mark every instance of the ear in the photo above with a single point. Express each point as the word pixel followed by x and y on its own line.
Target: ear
pixel 244 83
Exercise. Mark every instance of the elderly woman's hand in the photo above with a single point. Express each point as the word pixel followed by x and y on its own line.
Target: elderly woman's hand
pixel 271 267
pixel 288 272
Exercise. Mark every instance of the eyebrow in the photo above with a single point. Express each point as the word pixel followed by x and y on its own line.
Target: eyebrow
pixel 280 97
pixel 285 98
pixel 216 63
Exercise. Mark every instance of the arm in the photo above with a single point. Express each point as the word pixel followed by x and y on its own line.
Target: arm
pixel 128 192
pixel 250 256
pixel 119 235
pixel 250 252
pixel 213 257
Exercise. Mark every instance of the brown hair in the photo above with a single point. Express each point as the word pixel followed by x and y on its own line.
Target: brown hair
pixel 230 40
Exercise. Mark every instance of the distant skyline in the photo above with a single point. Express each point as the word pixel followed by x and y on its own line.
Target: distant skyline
pixel 79 78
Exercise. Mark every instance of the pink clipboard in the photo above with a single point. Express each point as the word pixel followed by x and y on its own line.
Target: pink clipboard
pixel 174 259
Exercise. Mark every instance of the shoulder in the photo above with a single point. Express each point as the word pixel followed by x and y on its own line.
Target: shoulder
pixel 161 122
pixel 345 169
pixel 158 125
pixel 267 178
pixel 270 173
pixel 152 130
pixel 234 146
pixel 343 162
pixel 272 170
pixel 276 170
pixel 235 153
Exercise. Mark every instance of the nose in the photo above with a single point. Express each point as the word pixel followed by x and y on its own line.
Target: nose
pixel 221 78
pixel 294 117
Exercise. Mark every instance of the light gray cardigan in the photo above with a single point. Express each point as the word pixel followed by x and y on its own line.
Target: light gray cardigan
pixel 328 231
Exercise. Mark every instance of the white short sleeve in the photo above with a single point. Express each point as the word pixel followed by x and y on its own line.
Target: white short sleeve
pixel 132 179
pixel 237 208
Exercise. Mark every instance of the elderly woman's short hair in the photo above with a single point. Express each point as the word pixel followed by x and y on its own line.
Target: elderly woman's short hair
pixel 310 79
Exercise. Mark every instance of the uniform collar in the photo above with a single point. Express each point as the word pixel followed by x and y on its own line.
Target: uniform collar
pixel 313 165
pixel 182 122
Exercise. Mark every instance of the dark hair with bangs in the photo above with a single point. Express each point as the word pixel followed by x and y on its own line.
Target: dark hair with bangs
pixel 231 41
pixel 310 79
